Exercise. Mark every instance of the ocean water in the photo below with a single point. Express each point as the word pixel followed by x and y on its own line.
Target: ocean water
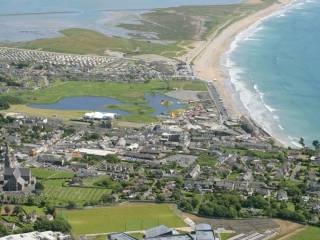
pixel 274 67
pixel 24 20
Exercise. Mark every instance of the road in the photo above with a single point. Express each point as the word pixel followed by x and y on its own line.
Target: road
pixel 214 95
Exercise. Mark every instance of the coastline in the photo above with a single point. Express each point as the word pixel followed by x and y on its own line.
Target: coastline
pixel 207 61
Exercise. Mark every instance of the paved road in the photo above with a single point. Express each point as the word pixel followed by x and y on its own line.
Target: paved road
pixel 218 102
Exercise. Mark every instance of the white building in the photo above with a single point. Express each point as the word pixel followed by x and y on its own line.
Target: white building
pixel 49 235
pixel 100 116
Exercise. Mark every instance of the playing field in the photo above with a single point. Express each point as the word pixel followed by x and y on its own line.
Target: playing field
pixel 62 195
pixel 58 192
pixel 43 173
pixel 310 233
pixel 121 218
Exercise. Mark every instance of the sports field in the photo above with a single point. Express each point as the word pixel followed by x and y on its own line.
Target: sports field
pixel 61 195
pixel 127 217
pixel 43 173
pixel 58 192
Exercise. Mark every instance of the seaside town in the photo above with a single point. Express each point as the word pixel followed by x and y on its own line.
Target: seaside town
pixel 199 159
pixel 130 146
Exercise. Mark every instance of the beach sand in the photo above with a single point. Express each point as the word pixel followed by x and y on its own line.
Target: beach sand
pixel 207 61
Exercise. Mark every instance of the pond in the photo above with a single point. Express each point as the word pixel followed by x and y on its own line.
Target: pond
pixel 160 103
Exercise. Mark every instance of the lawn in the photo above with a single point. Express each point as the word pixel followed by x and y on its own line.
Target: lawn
pixel 42 173
pixel 310 233
pixel 121 218
pixel 226 236
pixel 57 191
pixel 46 113
pixel 61 195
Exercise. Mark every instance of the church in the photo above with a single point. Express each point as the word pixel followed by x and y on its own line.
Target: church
pixel 15 179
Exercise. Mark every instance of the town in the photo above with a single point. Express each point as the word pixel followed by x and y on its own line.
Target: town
pixel 199 159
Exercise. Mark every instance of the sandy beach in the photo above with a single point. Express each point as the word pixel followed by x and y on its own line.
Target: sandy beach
pixel 207 60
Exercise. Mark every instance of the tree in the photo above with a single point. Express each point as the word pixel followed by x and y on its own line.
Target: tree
pixel 17 210
pixel 3 230
pixel 39 186
pixel 7 209
pixel 160 198
pixel 301 142
pixel 71 205
pixel 316 145
pixel 59 224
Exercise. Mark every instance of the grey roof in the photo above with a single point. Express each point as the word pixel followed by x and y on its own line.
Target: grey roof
pixel 203 227
pixel 120 236
pixel 24 172
pixel 157 231
pixel 204 235
pixel 173 237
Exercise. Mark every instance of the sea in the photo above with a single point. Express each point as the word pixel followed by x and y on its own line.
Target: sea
pixel 25 20
pixel 274 68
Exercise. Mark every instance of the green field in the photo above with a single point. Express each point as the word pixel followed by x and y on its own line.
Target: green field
pixel 121 218
pixel 61 195
pixel 226 236
pixel 310 233
pixel 42 173
pixel 57 191
pixel 85 41
pixel 132 95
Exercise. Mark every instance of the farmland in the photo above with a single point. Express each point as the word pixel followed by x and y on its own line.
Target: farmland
pixel 121 218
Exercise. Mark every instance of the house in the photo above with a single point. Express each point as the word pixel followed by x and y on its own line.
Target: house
pixel 159 231
pixel 195 172
pixel 282 196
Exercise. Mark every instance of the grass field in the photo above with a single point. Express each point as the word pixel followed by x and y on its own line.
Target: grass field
pixel 46 113
pixel 133 94
pixel 226 236
pixel 61 195
pixel 310 233
pixel 42 173
pixel 121 218
pixel 56 191
pixel 85 41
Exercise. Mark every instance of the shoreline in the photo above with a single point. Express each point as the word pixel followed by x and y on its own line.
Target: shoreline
pixel 208 63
